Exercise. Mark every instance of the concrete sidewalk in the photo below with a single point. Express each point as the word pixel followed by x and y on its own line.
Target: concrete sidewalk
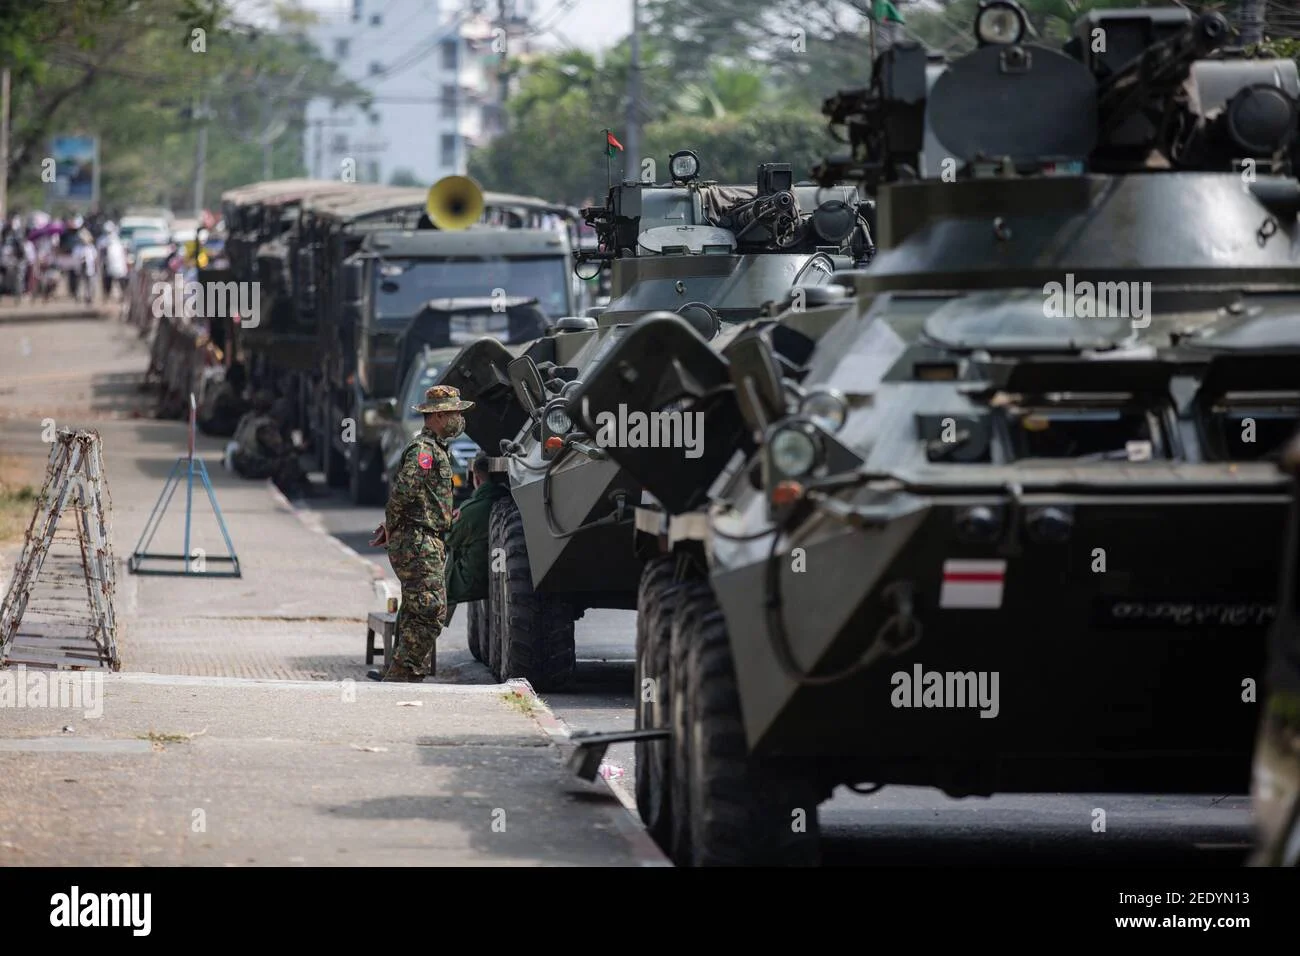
pixel 241 729
pixel 212 771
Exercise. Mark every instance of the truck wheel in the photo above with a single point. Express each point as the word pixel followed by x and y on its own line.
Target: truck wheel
pixel 332 463
pixel 365 477
pixel 476 630
pixel 691 597
pixel 536 631
pixel 656 599
pixel 742 810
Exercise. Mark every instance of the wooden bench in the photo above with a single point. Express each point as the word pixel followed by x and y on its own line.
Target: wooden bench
pixel 385 623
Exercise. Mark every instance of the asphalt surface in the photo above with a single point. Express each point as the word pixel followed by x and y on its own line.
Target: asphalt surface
pixel 897 826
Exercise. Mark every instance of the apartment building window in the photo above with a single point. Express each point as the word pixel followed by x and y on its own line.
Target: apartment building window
pixel 376 19
pixel 341 48
pixel 448 149
pixel 339 144
pixel 372 169
pixel 376 68
pixel 449 102
pixel 356 10
pixel 450 60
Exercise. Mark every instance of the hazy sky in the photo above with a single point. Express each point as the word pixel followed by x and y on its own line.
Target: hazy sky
pixel 588 24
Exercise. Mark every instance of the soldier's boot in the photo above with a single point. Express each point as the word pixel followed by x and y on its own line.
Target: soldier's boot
pixel 399 674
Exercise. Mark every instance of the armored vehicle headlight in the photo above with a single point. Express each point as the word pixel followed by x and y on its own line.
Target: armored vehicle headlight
pixel 558 421
pixel 684 166
pixel 794 452
pixel 1000 22
pixel 826 407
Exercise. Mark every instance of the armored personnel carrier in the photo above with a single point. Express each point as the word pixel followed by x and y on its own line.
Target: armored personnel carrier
pixel 707 255
pixel 1013 523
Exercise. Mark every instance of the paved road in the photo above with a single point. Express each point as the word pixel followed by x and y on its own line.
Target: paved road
pixel 898 825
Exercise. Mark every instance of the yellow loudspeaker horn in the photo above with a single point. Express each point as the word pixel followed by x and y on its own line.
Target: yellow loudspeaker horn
pixel 454 202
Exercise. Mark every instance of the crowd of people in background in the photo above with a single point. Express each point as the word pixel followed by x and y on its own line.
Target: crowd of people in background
pixel 43 258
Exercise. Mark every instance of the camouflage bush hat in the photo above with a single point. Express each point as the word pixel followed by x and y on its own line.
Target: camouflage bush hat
pixel 442 398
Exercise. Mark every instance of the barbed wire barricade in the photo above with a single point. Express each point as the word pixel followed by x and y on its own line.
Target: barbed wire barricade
pixel 58 612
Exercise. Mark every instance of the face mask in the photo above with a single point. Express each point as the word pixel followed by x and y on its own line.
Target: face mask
pixel 455 427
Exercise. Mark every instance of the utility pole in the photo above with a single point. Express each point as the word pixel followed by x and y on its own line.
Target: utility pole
pixel 4 145
pixel 263 112
pixel 320 146
pixel 632 152
pixel 503 70
pixel 201 154
pixel 1251 22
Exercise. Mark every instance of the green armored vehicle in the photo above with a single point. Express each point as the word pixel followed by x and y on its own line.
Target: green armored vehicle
pixel 709 255
pixel 1014 521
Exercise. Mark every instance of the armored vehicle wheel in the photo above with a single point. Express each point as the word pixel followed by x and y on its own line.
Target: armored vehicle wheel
pixel 741 811
pixel 492 613
pixel 476 630
pixel 365 476
pixel 535 630
pixel 691 596
pixel 656 599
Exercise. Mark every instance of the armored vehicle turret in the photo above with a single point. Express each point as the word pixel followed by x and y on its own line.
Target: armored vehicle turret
pixel 705 254
pixel 1014 521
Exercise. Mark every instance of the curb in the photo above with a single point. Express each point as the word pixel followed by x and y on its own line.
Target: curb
pixel 312 522
pixel 628 822
pixel 70 314
pixel 646 852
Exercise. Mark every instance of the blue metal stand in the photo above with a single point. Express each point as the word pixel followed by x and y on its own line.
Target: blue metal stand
pixel 191 465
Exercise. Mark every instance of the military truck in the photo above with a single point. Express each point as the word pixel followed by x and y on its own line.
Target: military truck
pixel 263 234
pixel 385 279
pixel 1013 522
pixel 709 253
pixel 354 271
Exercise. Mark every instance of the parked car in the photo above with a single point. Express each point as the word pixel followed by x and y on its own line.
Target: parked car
pixel 403 424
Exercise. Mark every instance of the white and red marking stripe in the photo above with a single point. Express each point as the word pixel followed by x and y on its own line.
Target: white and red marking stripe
pixel 972 584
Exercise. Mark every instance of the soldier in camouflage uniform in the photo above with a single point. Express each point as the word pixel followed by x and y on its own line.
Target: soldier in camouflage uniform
pixel 416 520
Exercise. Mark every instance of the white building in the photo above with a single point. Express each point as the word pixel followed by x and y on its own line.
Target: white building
pixel 431 67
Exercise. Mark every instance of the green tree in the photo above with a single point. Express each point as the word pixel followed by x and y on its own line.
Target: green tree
pixel 133 74
pixel 405 177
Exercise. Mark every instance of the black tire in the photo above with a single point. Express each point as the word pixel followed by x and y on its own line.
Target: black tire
pixel 333 463
pixel 536 630
pixel 690 596
pixel 365 476
pixel 742 811
pixel 476 630
pixel 656 598
pixel 492 606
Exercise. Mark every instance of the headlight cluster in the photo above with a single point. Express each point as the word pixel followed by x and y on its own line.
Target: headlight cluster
pixel 558 421
pixel 825 407
pixel 999 22
pixel 794 451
